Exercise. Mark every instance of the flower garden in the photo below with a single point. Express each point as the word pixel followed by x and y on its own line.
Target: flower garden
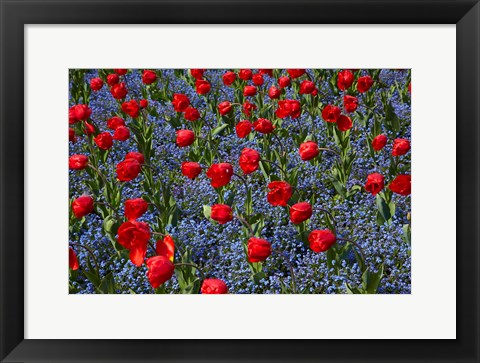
pixel 239 181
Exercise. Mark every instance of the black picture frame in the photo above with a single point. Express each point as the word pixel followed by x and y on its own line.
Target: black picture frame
pixel 15 14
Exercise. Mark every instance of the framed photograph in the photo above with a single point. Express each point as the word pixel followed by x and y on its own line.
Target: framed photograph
pixel 242 181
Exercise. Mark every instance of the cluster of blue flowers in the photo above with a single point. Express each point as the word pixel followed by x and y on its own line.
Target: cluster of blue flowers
pixel 219 249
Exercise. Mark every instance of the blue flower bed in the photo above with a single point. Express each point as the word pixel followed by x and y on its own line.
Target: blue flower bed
pixel 219 250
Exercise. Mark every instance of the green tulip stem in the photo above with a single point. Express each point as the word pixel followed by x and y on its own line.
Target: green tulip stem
pixel 217 88
pixel 331 216
pixel 100 174
pixel 278 166
pixel 207 140
pixel 355 244
pixel 292 273
pixel 243 180
pixel 202 274
pixel 246 224
pixel 89 141
pixel 152 247
pixel 279 142
pixel 148 166
pixel 90 252
pixel 329 150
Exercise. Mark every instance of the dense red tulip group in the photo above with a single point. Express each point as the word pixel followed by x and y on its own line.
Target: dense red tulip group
pixel 134 235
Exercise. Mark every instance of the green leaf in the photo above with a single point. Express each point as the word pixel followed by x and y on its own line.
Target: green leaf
pixel 371 280
pixel 160 289
pixel 331 256
pixel 92 277
pixel 109 224
pixel 383 208
pixel 219 129
pixel 308 138
pixel 407 233
pixel 207 211
pixel 257 277
pixel 353 190
pixel 339 187
pixel 229 200
pixel 107 286
pixel 352 290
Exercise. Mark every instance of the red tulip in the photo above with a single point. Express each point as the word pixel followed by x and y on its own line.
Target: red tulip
pixel 185 138
pixel 257 79
pixel 77 162
pixel 166 247
pixel 287 108
pixel 202 86
pixel 307 87
pixel 71 135
pixel 135 155
pixel 263 126
pixel 245 74
pixel 331 113
pixel 119 91
pixel 160 270
pixel 229 78
pixel 89 128
pixel 82 206
pixel 344 123
pixel 400 147
pixel 300 212
pixel 279 193
pixel 249 160
pixel 350 103
pixel 128 169
pixel 266 71
pixel 221 213
pixel 135 208
pixel 134 236
pixel 72 259
pixel 220 174
pixel 180 102
pixel 375 183
pixel 115 122
pixel 122 133
pixel 402 185
pixel 197 73
pixel 249 91
pixel 364 84
pixel 191 169
pixel 274 93
pixel 214 286
pixel 113 79
pixel 248 107
pixel 321 240
pixel 224 108
pixel 80 112
pixel 308 150
pixel 131 108
pixel 296 73
pixel 148 77
pixel 258 249
pixel 379 142
pixel 191 114
pixel 104 140
pixel 284 82
pixel 345 79
pixel 96 84
pixel 243 128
